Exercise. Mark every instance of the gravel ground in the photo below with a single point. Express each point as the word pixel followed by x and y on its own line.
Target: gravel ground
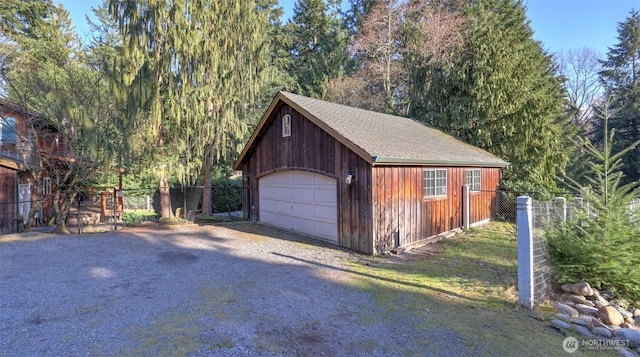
pixel 196 291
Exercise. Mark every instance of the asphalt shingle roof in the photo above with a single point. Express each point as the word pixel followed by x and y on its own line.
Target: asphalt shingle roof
pixel 391 139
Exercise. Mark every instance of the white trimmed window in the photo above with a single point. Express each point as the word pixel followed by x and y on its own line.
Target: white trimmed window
pixel 286 125
pixel 435 182
pixel 473 179
pixel 46 185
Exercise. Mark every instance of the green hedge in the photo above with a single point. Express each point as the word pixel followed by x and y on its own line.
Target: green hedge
pixel 226 195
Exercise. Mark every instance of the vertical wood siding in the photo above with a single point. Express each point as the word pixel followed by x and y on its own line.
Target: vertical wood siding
pixel 401 214
pixel 310 148
pixel 8 207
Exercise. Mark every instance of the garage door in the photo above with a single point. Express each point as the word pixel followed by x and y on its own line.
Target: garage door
pixel 300 201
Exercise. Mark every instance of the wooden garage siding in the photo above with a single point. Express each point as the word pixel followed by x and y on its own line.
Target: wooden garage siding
pixel 398 196
pixel 310 148
pixel 8 208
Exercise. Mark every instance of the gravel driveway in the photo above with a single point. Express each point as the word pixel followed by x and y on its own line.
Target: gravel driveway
pixel 194 291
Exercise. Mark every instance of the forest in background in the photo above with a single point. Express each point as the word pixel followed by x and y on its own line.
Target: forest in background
pixel 171 89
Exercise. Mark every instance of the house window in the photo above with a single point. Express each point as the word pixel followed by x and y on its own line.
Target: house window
pixel 286 125
pixel 435 182
pixel 8 132
pixel 472 179
pixel 46 185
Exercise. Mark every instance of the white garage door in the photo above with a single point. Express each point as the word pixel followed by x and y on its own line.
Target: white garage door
pixel 300 201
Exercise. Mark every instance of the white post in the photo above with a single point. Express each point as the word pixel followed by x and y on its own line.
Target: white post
pixel 560 209
pixel 525 251
pixel 148 203
pixel 466 204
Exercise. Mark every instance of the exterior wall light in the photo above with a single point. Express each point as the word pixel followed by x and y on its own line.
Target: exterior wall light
pixel 349 178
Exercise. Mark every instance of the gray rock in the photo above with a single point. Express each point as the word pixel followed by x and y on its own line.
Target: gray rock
pixel 601 300
pixel 587 310
pixel 636 312
pixel 602 331
pixel 633 336
pixel 626 353
pixel 623 312
pixel 566 309
pixel 563 317
pixel 577 321
pixel 582 288
pixel 583 331
pixel 637 319
pixel 577 299
pixel 560 324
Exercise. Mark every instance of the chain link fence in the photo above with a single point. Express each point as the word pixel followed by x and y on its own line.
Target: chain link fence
pixel 96 207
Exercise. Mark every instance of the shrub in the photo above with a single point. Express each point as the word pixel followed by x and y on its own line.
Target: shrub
pixel 600 245
pixel 134 218
pixel 226 195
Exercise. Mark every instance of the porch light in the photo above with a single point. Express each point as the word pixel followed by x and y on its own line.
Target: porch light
pixel 349 178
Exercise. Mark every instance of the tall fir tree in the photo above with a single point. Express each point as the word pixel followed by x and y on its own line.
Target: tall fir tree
pixel 501 94
pixel 621 76
pixel 191 69
pixel 319 45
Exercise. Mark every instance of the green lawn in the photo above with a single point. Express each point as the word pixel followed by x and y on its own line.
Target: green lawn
pixel 468 285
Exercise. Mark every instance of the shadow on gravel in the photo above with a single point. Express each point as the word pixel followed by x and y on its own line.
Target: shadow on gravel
pixel 374 277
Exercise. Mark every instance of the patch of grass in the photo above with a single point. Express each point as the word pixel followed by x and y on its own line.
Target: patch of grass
pixel 468 288
pixel 206 219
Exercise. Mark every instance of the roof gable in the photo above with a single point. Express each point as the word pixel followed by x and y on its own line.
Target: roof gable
pixel 381 139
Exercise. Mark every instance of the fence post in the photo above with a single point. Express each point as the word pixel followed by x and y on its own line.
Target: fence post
pixel 560 209
pixel 524 223
pixel 466 205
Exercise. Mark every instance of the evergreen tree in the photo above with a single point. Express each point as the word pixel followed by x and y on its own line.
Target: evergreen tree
pixel 50 75
pixel 191 67
pixel 501 93
pixel 621 77
pixel 319 45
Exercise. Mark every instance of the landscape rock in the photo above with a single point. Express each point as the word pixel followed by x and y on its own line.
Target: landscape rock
pixel 593 323
pixel 583 331
pixel 626 353
pixel 563 317
pixel 561 324
pixel 609 315
pixel 582 288
pixel 622 303
pixel 566 309
pixel 587 310
pixel 602 331
pixel 637 319
pixel 623 312
pixel 578 321
pixel 633 336
pixel 636 312
pixel 578 299
pixel 600 300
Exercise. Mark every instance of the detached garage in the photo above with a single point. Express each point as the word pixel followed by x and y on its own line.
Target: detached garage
pixel 363 180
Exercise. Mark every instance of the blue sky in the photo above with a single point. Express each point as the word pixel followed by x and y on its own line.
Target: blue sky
pixel 558 24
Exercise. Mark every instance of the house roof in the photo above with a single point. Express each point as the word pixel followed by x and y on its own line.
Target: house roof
pixel 381 139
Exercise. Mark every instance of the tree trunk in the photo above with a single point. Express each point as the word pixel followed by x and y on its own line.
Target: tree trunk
pixel 165 198
pixel 206 190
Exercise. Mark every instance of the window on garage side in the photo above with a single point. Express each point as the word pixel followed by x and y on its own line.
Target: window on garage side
pixel 473 179
pixel 435 183
pixel 286 125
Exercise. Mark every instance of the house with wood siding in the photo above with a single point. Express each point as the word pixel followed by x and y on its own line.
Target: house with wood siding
pixel 19 151
pixel 363 180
